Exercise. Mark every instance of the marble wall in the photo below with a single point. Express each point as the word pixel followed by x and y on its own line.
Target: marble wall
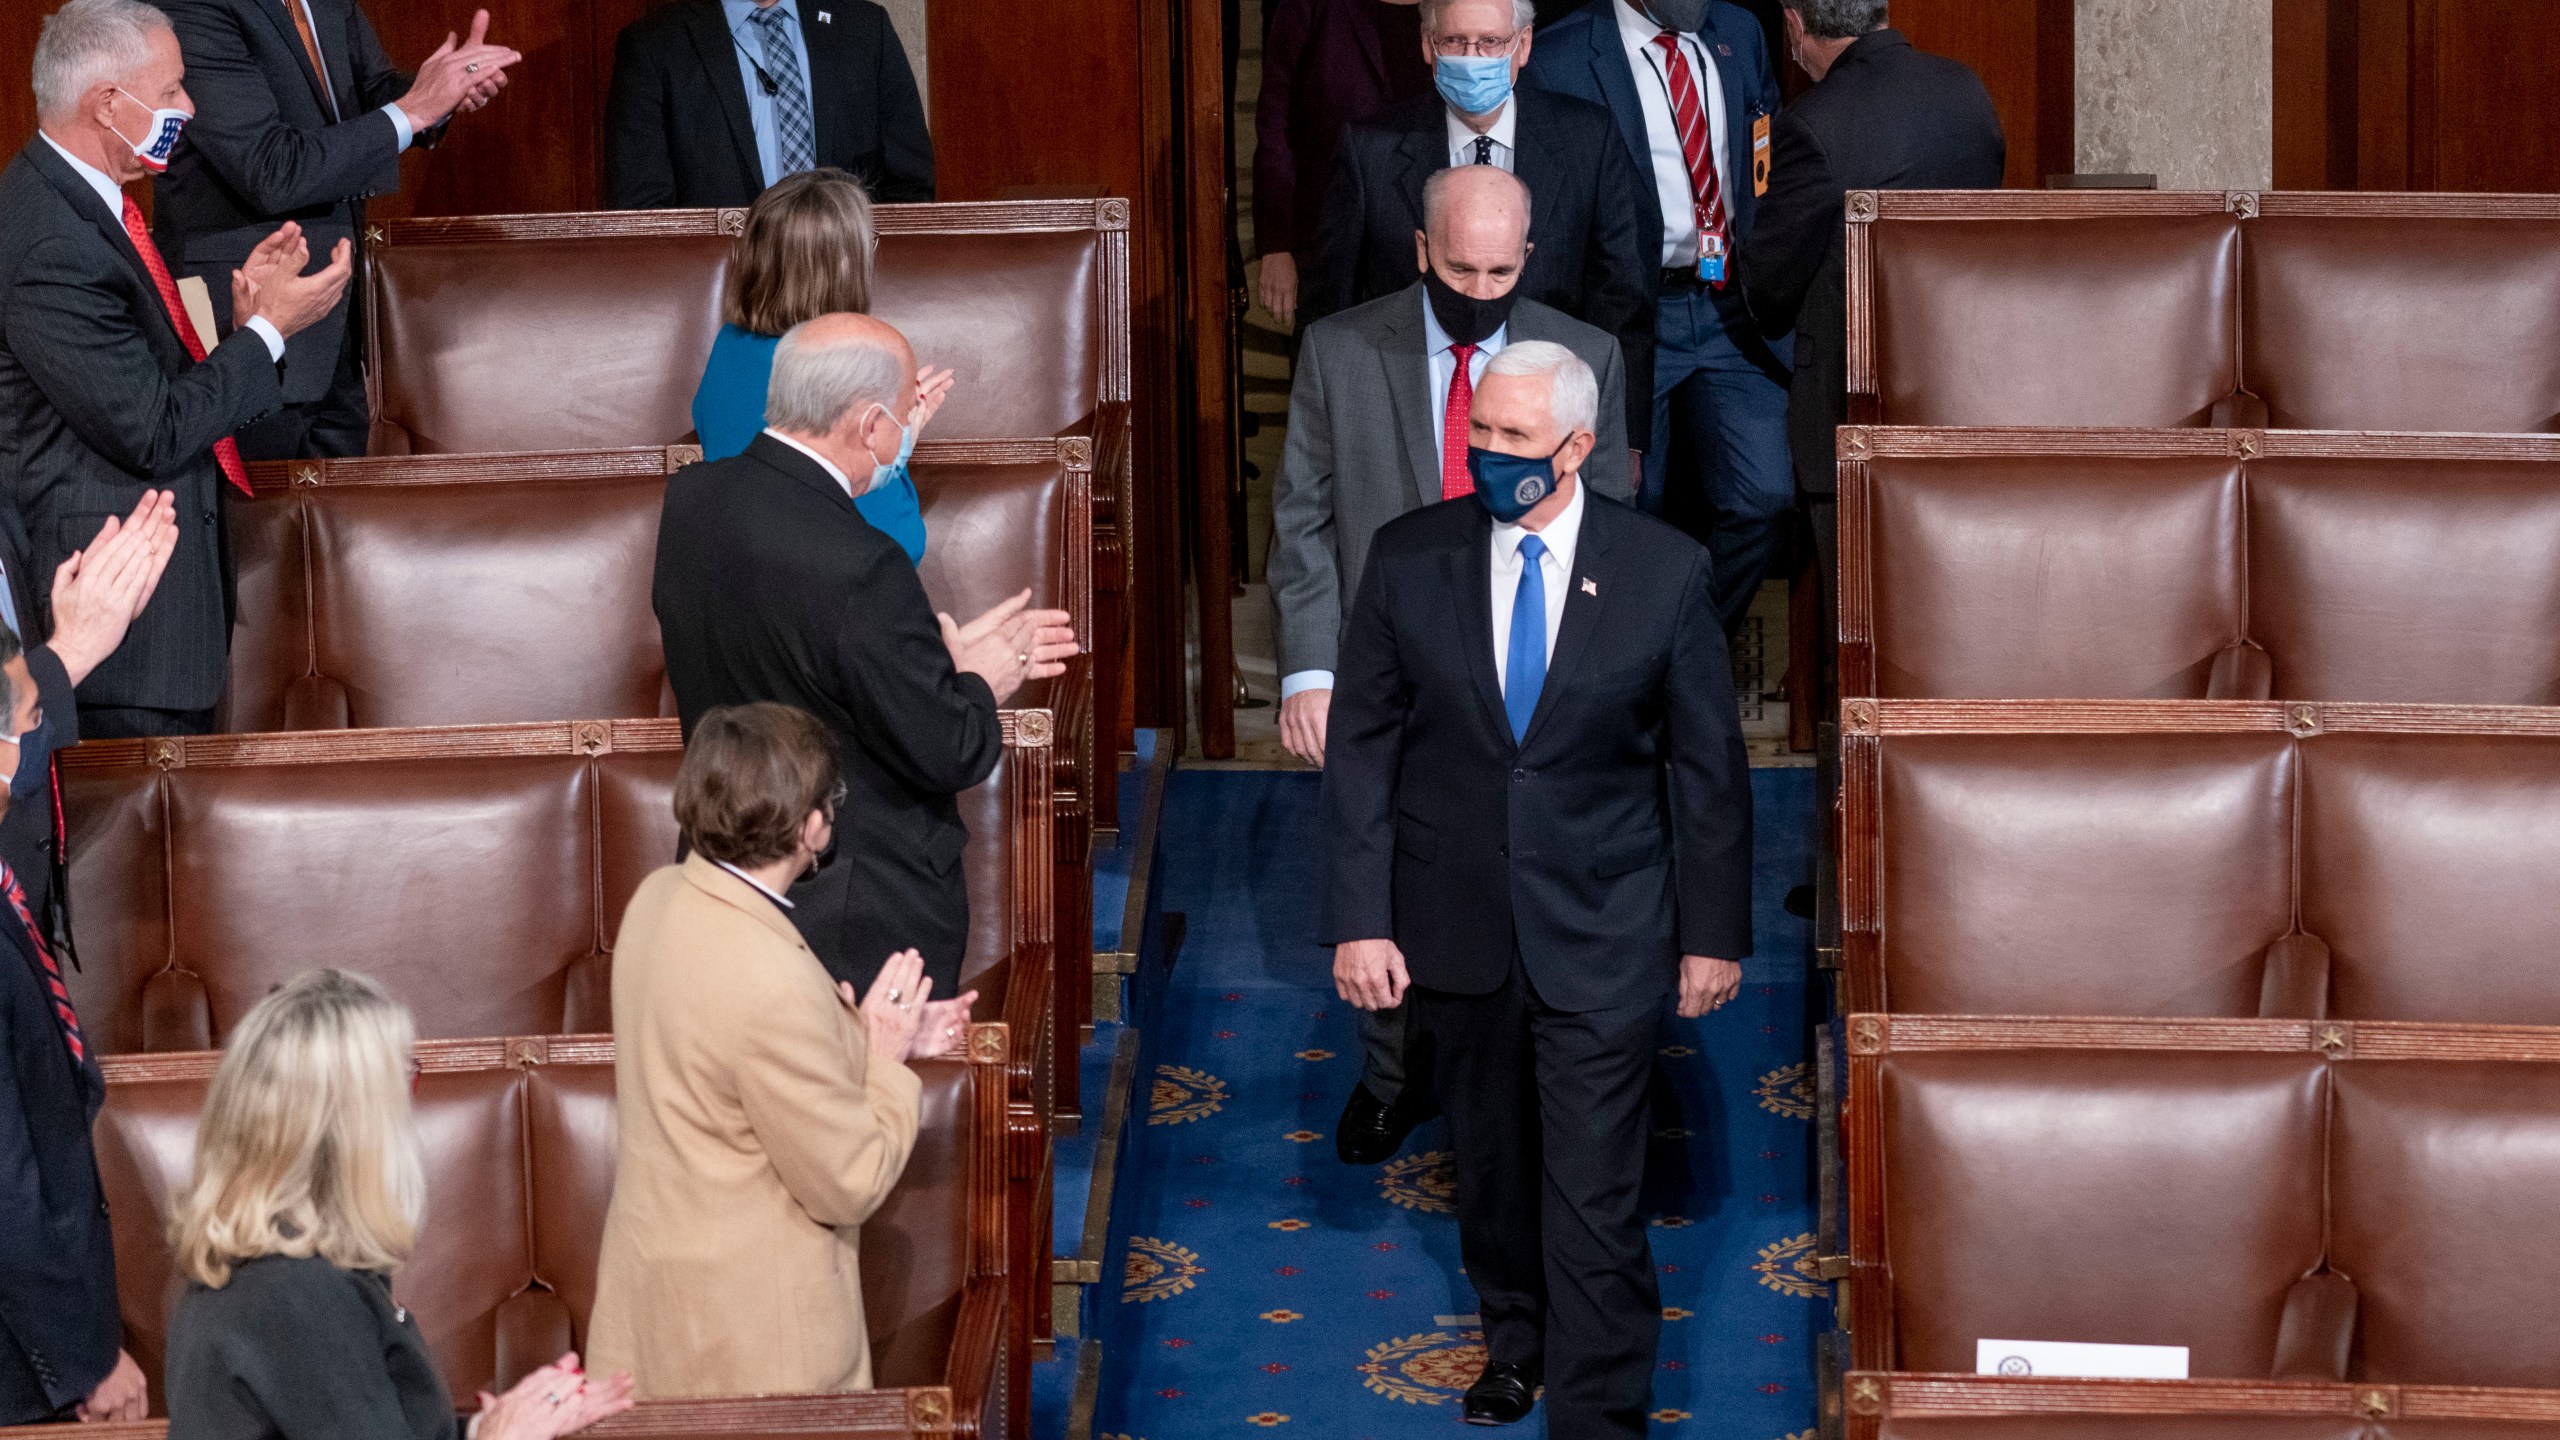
pixel 2181 89
pixel 908 17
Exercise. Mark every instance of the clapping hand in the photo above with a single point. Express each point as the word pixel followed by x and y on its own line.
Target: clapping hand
pixel 558 1399
pixel 932 388
pixel 270 282
pixel 902 1018
pixel 1010 644
pixel 461 75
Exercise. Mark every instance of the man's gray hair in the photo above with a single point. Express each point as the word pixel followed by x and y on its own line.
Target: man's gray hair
pixel 1839 19
pixel 815 385
pixel 1524 14
pixel 87 42
pixel 1435 192
pixel 1573 397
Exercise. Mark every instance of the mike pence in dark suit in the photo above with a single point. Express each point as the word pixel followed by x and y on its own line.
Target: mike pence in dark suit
pixel 1538 813
pixel 1370 407
pixel 307 131
pixel 101 399
pixel 682 131
pixel 1586 253
pixel 61 1333
pixel 1881 116
pixel 771 586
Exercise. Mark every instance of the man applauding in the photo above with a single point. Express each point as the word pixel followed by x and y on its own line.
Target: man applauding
pixel 1540 815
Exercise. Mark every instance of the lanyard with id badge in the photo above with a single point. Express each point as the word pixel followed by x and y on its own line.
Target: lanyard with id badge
pixel 1711 246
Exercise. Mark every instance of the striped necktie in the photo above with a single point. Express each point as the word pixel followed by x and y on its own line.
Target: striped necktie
pixel 797 137
pixel 1696 141
pixel 51 973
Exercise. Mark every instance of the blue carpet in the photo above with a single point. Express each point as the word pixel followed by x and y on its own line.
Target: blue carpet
pixel 1263 1284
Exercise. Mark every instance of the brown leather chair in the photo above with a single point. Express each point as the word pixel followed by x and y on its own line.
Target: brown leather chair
pixel 2142 1197
pixel 2444 1181
pixel 2102 320
pixel 2043 1426
pixel 2081 874
pixel 2069 574
pixel 520 1140
pixel 2422 579
pixel 2426 863
pixel 1969 1407
pixel 2401 319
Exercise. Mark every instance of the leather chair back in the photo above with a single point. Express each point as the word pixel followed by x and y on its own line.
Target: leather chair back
pixel 2445 1196
pixel 2434 580
pixel 2132 1197
pixel 2426 867
pixel 2096 321
pixel 2122 1427
pixel 2342 329
pixel 2083 874
pixel 1019 317
pixel 2052 576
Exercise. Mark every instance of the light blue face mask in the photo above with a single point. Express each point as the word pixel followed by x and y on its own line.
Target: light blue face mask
pixel 891 504
pixel 1475 84
pixel 895 472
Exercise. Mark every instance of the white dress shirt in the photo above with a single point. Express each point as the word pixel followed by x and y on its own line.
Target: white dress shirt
pixel 1662 132
pixel 782 901
pixel 112 196
pixel 1555 568
pixel 823 462
pixel 1444 370
pixel 1462 136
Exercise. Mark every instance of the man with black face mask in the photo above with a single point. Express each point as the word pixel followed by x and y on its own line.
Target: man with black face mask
pixel 1377 427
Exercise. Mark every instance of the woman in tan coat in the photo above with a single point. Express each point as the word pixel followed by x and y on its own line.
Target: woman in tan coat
pixel 764 1113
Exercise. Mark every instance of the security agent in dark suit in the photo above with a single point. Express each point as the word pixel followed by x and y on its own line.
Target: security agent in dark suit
pixel 60 1329
pixel 771 586
pixel 1539 815
pixel 301 117
pixel 101 397
pixel 1587 256
pixel 1881 116
pixel 713 100
pixel 1691 89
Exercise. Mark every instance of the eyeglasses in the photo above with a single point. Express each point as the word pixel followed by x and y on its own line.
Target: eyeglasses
pixel 1484 47
pixel 835 800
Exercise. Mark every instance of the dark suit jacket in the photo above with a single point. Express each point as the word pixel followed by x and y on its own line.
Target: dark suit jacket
pixel 266 147
pixel 1885 117
pixel 1590 261
pixel 28 840
pixel 676 128
pixel 59 1326
pixel 1581 55
pixel 98 401
pixel 1614 840
pixel 1325 64
pixel 771 586
pixel 296 1346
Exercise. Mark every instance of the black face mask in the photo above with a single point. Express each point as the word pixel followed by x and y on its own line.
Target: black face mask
pixel 1467 319
pixel 1684 16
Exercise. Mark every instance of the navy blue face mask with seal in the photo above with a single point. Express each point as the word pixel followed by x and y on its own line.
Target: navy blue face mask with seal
pixel 1510 486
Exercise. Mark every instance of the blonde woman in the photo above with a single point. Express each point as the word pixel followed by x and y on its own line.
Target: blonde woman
pixel 307 1194
pixel 764 1114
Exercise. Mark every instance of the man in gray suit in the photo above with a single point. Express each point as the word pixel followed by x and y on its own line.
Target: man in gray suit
pixel 1377 427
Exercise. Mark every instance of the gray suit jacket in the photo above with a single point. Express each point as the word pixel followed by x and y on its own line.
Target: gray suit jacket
pixel 1364 448
pixel 99 401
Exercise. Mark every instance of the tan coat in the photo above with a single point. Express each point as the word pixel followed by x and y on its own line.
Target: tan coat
pixel 757 1136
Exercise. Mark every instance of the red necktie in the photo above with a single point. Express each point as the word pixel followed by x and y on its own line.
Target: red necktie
pixel 54 990
pixel 1454 479
pixel 226 450
pixel 1697 140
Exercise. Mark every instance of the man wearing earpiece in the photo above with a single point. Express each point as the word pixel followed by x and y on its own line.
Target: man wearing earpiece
pixel 713 100
pixel 1540 821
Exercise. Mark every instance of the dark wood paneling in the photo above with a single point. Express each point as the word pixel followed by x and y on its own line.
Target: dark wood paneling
pixel 534 147
pixel 18 25
pixel 2022 49
pixel 2450 95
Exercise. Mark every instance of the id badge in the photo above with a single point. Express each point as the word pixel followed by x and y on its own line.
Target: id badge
pixel 1759 154
pixel 1711 259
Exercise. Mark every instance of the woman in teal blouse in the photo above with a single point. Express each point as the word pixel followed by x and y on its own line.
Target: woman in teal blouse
pixel 806 252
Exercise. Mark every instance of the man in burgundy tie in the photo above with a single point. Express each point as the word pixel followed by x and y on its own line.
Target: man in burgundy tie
pixel 1691 87
pixel 107 388
pixel 1378 426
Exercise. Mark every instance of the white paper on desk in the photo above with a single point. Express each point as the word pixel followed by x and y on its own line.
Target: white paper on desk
pixel 2083 1361
pixel 199 303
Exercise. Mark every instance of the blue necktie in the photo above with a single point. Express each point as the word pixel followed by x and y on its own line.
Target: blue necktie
pixel 1526 670
pixel 798 141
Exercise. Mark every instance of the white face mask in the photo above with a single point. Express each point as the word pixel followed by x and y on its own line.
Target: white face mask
pixel 159 140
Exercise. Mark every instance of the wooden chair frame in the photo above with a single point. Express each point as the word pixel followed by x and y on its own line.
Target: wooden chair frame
pixel 1872 1037
pixel 1872 1397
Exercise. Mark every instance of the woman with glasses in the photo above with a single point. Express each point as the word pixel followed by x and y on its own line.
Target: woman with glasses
pixel 307 1195
pixel 765 1114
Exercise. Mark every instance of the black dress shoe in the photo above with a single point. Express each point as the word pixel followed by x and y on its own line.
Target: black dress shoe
pixel 1371 1130
pixel 1502 1395
pixel 1799 902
